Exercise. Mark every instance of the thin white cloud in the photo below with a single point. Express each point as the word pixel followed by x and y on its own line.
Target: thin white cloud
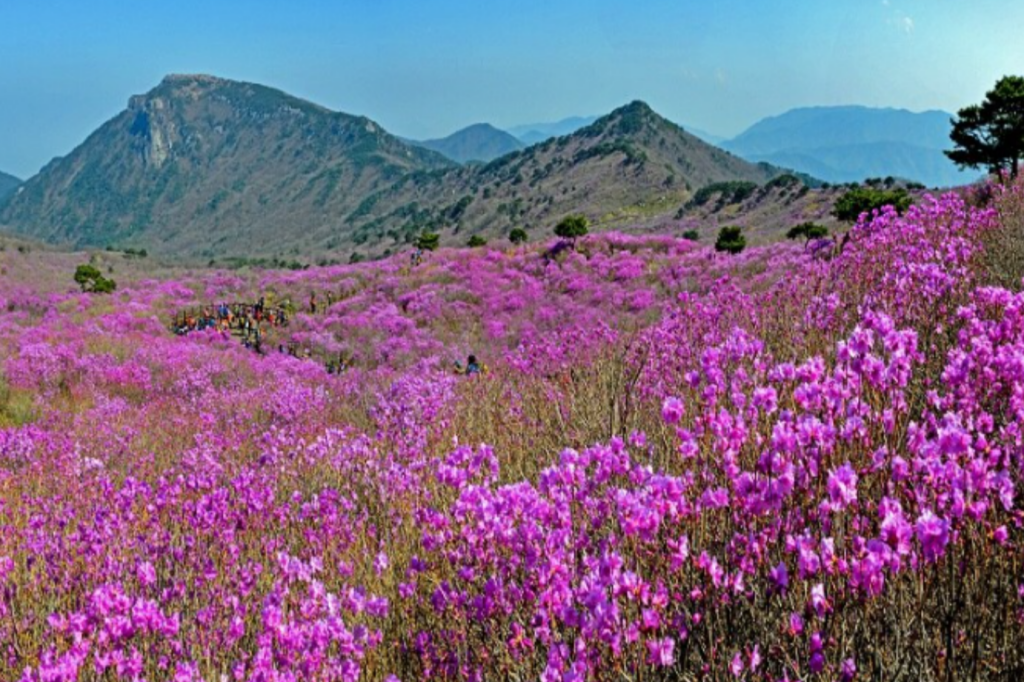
pixel 897 18
pixel 689 74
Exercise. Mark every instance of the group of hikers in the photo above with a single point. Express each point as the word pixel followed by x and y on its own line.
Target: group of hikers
pixel 248 320
pixel 252 321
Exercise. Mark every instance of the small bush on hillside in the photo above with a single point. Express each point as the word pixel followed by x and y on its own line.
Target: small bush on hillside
pixel 731 240
pixel 572 227
pixel 733 192
pixel 91 280
pixel 428 241
pixel 865 200
pixel 807 232
pixel 784 181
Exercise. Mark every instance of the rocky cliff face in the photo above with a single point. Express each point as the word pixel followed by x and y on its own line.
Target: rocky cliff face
pixel 152 130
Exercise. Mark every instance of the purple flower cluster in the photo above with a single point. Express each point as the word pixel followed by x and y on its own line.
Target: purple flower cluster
pixel 775 466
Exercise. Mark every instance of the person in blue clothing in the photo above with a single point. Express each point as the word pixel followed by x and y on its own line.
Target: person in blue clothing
pixel 473 366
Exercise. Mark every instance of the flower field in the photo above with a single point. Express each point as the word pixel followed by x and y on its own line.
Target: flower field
pixel 678 465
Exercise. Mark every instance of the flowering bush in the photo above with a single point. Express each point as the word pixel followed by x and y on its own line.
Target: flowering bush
pixel 782 465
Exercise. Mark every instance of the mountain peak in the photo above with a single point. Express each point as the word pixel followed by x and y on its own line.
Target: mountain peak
pixel 478 142
pixel 218 102
pixel 191 87
pixel 636 114
pixel 482 127
pixel 629 120
pixel 635 107
pixel 186 78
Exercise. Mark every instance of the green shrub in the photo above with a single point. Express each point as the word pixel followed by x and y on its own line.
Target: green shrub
pixel 860 200
pixel 732 192
pixel 91 280
pixel 572 227
pixel 731 240
pixel 807 231
pixel 428 241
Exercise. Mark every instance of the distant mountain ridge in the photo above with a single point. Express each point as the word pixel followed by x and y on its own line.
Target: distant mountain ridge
pixel 210 168
pixel 478 142
pixel 710 138
pixel 851 143
pixel 8 184
pixel 535 133
pixel 631 166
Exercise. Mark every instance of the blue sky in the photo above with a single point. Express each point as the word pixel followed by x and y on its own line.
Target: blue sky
pixel 427 67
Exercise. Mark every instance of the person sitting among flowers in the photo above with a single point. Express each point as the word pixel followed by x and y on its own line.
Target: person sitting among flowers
pixel 472 367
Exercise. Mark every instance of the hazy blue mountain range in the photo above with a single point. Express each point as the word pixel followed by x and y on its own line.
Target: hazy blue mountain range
pixel 534 133
pixel 710 138
pixel 8 183
pixel 479 142
pixel 851 143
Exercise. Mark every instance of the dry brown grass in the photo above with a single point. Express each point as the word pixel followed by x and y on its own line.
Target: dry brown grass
pixel 1004 246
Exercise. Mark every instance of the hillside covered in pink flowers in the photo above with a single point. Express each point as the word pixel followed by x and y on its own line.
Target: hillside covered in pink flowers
pixel 796 463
